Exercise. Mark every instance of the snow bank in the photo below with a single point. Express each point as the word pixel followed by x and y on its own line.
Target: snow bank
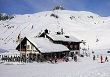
pixel 13 63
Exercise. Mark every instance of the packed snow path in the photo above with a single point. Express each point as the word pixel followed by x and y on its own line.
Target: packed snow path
pixel 85 67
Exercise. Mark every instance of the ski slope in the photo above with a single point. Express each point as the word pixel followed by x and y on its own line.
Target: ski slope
pixel 84 67
pixel 87 26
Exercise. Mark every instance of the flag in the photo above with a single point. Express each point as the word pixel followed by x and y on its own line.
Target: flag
pixel 18 38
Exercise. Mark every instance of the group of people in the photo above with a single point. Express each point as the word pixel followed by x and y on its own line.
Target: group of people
pixel 74 56
pixel 64 58
pixel 54 59
pixel 101 58
pixel 11 58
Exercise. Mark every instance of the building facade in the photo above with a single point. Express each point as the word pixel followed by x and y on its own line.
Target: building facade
pixel 47 46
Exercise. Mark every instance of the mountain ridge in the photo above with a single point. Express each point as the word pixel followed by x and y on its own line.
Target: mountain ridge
pixel 81 24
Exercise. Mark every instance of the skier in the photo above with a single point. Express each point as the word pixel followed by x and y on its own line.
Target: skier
pixel 106 59
pixel 75 57
pixel 93 57
pixel 101 59
pixel 32 27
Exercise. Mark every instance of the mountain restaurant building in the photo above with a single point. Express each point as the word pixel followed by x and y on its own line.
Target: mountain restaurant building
pixel 41 49
pixel 72 43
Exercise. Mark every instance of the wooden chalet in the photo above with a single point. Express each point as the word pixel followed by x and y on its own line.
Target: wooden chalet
pixel 48 45
pixel 71 42
pixel 40 48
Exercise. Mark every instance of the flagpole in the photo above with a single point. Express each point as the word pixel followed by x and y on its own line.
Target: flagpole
pixel 20 44
pixel 25 53
pixel 20 50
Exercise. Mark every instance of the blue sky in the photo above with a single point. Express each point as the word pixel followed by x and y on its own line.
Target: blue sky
pixel 100 7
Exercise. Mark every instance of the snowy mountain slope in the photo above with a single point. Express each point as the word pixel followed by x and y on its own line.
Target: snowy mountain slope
pixel 86 26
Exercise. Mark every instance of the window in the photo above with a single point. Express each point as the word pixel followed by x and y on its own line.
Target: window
pixel 71 46
pixel 28 46
pixel 76 46
pixel 32 47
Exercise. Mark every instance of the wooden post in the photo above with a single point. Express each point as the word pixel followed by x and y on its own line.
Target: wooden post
pixel 20 49
pixel 25 52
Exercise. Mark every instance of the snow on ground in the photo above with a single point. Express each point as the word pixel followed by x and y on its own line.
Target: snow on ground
pixel 85 67
pixel 86 26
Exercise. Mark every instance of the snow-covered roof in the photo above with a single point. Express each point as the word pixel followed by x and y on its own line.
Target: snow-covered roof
pixel 63 38
pixel 46 46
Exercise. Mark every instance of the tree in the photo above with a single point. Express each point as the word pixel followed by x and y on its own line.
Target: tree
pixel 54 15
pixel 4 16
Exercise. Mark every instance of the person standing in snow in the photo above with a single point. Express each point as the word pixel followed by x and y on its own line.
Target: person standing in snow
pixel 55 58
pixel 106 59
pixel 75 57
pixel 67 57
pixel 101 59
pixel 72 55
pixel 93 57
